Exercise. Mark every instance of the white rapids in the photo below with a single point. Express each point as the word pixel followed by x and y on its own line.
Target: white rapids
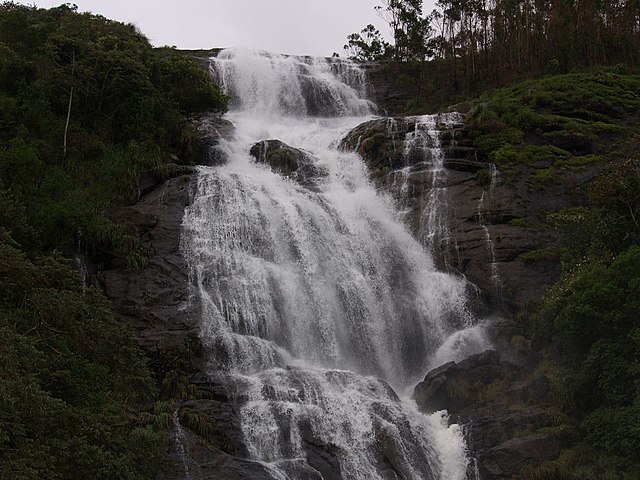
pixel 309 297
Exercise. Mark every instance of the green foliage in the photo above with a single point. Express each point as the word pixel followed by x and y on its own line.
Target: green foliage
pixel 75 391
pixel 546 254
pixel 127 117
pixel 367 45
pixel 176 386
pixel 72 381
pixel 189 85
pixel 555 117
pixel 517 222
pixel 545 176
pixel 589 321
pixel 544 130
pixel 483 177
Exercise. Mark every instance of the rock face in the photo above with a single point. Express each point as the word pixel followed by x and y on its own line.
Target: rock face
pixel 504 408
pixel 291 162
pixel 389 88
pixel 394 89
pixel 154 299
pixel 455 386
pixel 485 221
pixel 207 149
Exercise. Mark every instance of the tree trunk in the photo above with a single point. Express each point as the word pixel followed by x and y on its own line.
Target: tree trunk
pixel 66 126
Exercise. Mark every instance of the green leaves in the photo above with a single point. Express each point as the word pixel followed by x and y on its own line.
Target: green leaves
pixel 188 85
pixel 73 384
pixel 590 321
pixel 368 45
pixel 70 378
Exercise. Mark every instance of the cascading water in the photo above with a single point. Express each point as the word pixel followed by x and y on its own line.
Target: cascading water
pixel 309 296
pixel 425 143
pixel 486 196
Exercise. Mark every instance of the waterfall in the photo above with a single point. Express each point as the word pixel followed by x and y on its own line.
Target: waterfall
pixel 318 305
pixel 486 195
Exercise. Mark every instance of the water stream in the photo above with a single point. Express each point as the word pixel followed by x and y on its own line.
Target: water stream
pixel 318 305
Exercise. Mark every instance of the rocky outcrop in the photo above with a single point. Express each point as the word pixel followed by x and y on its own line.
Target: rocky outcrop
pixel 490 221
pixel 399 87
pixel 457 386
pixel 154 297
pixel 207 148
pixel 505 408
pixel 291 162
pixel 154 300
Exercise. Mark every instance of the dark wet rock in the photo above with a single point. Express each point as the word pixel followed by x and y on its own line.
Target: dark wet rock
pixel 299 470
pixel 206 148
pixel 462 164
pixel 513 455
pixel 224 418
pixel 503 406
pixel 391 89
pixel 491 223
pixel 318 97
pixel 148 181
pixel 486 432
pixel 291 162
pixel 199 460
pixel 154 300
pixel 322 456
pixel 213 388
pixel 381 143
pixel 456 386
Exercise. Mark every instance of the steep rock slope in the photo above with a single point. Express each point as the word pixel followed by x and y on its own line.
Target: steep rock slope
pixel 155 301
pixel 490 221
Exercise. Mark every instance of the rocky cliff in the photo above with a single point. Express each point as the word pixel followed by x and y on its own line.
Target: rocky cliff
pixel 156 301
pixel 491 226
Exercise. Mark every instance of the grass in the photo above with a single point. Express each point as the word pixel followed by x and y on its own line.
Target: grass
pixel 570 120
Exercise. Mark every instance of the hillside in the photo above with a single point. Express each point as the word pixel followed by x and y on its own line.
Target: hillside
pixel 86 107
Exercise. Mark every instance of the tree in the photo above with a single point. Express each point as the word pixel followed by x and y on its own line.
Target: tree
pixel 367 45
pixel 410 29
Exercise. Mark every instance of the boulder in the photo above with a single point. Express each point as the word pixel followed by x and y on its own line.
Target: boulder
pixel 456 386
pixel 504 460
pixel 291 162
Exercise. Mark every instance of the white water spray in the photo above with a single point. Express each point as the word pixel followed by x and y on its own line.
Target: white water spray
pixel 306 293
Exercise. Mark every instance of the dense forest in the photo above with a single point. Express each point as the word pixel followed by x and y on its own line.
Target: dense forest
pixel 482 43
pixel 86 105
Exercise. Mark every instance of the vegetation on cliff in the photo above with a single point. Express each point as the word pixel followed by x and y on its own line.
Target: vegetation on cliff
pixel 587 325
pixel 86 106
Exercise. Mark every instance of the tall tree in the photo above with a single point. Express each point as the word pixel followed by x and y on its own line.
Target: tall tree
pixel 367 45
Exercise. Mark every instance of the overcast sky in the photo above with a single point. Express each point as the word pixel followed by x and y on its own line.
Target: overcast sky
pixel 299 27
